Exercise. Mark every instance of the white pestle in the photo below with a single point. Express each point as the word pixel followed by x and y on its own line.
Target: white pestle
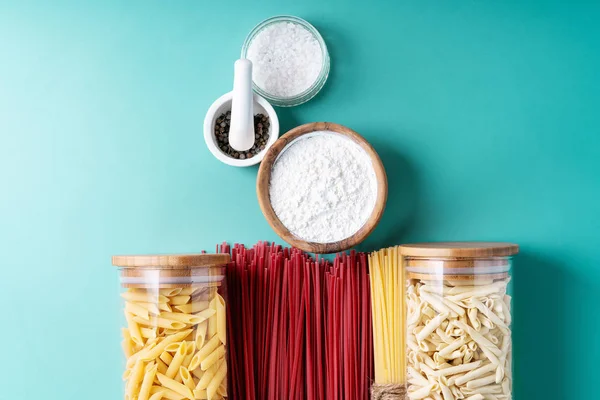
pixel 241 130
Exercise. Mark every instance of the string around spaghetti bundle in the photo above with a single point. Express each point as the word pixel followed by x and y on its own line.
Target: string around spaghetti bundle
pixel 390 391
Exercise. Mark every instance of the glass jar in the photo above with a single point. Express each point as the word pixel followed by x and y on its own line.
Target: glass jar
pixel 317 85
pixel 458 320
pixel 175 334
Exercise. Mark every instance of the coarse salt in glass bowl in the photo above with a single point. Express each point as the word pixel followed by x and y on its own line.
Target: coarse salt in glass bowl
pixel 276 97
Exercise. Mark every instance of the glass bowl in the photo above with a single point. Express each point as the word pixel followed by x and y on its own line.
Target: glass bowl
pixel 318 83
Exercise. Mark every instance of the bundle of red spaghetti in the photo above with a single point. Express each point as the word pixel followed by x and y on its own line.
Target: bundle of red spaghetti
pixel 298 328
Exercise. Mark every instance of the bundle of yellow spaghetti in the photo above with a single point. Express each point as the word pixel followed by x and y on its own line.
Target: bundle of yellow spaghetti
pixel 387 304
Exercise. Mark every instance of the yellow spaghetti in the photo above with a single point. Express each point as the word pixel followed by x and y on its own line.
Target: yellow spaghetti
pixel 388 310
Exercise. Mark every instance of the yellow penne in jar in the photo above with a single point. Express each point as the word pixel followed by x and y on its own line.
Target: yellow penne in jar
pixel 166 337
pixel 208 376
pixel 179 300
pixel 212 358
pixel 147 382
pixel 166 393
pixel 201 334
pixel 215 383
pixel 177 360
pixel 187 378
pixel 221 319
pixel 145 297
pixel 188 319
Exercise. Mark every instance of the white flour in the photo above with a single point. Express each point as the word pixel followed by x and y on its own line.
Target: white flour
pixel 323 187
pixel 287 59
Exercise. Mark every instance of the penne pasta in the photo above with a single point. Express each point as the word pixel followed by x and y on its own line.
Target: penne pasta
pixel 166 393
pixel 137 310
pixel 223 388
pixel 144 297
pixel 170 292
pixel 173 347
pixel 175 386
pixel 206 313
pixel 166 357
pixel 158 395
pixel 135 379
pixel 152 308
pixel 147 382
pixel 221 320
pixel 215 383
pixel 187 378
pixel 187 291
pixel 212 319
pixel 201 334
pixel 166 341
pixel 212 358
pixel 194 362
pixel 134 329
pixel 127 343
pixel 208 376
pixel 200 394
pixel 177 361
pixel 189 354
pixel 162 366
pixel 209 347
pixel 179 300
pixel 189 319
pixel 161 322
pixel 193 307
pixel 148 333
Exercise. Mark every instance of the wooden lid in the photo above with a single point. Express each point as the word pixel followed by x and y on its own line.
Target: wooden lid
pixel 171 261
pixel 459 249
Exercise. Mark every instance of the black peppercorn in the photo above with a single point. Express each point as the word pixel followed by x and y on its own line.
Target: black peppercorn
pixel 261 135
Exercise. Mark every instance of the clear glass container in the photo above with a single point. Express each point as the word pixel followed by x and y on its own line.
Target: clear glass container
pixel 458 320
pixel 175 330
pixel 318 83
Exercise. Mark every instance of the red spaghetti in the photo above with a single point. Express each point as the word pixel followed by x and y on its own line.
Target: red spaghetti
pixel 299 328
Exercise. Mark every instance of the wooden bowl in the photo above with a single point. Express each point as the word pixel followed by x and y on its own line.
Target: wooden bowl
pixel 264 178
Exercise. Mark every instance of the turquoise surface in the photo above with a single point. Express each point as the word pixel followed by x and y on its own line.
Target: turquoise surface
pixel 484 113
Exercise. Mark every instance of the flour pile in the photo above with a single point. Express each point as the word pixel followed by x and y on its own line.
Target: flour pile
pixel 323 187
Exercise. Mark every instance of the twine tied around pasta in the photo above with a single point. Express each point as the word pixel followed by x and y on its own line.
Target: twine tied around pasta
pixel 390 391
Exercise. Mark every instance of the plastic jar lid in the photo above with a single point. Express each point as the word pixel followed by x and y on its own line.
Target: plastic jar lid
pixel 171 269
pixel 458 260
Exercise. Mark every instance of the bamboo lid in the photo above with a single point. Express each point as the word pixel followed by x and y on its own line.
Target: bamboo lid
pixel 171 261
pixel 459 249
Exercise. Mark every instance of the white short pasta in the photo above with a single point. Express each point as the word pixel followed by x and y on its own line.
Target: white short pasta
pixel 458 339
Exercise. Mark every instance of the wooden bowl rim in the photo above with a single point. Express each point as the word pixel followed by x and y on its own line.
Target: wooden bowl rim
pixel 264 177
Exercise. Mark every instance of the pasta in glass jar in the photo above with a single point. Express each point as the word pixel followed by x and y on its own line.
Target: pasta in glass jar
pixel 175 334
pixel 458 320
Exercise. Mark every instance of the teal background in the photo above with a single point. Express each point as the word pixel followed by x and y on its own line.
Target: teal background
pixel 485 114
